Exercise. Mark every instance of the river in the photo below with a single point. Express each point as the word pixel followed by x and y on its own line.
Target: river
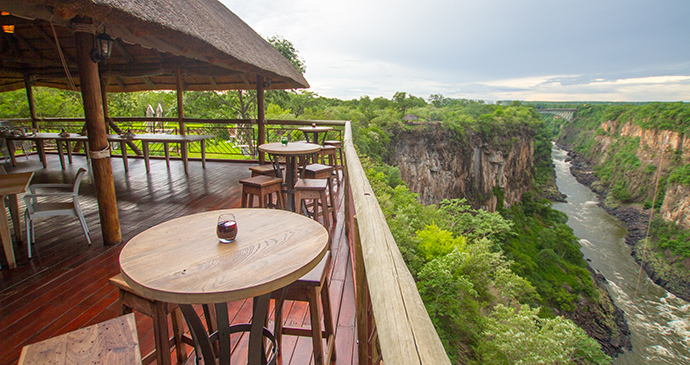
pixel 659 321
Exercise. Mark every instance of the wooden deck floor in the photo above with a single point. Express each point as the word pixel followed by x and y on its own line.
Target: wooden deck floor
pixel 65 285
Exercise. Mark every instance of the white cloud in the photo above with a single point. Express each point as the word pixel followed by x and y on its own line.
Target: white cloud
pixel 491 49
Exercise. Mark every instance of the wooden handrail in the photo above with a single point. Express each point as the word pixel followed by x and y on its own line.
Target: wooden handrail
pixel 190 120
pixel 405 332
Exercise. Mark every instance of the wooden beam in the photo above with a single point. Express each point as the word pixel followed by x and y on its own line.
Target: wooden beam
pixel 121 84
pixel 149 83
pixel 261 115
pixel 49 37
pixel 34 119
pixel 98 142
pixel 213 82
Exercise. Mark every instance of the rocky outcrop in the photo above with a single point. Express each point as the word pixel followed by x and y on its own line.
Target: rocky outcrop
pixel 437 165
pixel 602 320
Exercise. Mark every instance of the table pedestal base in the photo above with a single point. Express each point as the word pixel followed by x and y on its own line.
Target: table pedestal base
pixel 214 343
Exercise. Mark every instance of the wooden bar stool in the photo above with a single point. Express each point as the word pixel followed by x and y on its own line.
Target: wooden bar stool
pixel 266 170
pixel 319 171
pixel 262 187
pixel 328 157
pixel 339 149
pixel 158 311
pixel 308 289
pixel 315 190
pixel 114 341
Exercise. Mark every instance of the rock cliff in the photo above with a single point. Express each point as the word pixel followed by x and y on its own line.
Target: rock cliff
pixel 439 165
pixel 673 145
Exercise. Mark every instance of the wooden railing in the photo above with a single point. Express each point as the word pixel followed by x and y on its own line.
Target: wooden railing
pixel 390 313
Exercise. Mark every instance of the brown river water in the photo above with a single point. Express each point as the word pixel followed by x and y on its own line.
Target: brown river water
pixel 659 321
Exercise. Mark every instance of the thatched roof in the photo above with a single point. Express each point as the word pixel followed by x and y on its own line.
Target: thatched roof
pixel 410 117
pixel 213 47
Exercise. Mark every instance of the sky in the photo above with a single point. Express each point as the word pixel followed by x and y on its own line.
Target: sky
pixel 556 50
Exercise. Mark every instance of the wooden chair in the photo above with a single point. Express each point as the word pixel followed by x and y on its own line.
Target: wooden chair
pixel 308 289
pixel 339 162
pixel 328 157
pixel 111 342
pixel 44 205
pixel 314 190
pixel 319 171
pixel 158 312
pixel 262 187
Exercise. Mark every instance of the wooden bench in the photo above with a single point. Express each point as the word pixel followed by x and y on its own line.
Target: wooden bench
pixel 111 342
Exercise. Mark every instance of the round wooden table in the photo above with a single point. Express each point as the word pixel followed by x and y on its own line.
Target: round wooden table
pixel 182 261
pixel 314 132
pixel 291 151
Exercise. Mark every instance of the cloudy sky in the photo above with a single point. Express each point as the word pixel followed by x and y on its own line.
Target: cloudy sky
pixel 608 50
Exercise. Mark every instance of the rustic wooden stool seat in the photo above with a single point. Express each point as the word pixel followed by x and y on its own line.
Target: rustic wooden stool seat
pixel 308 289
pixel 111 342
pixel 315 190
pixel 267 170
pixel 262 187
pixel 319 171
pixel 340 162
pixel 330 153
pixel 158 311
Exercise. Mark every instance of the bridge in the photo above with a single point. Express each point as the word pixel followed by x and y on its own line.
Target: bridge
pixel 565 113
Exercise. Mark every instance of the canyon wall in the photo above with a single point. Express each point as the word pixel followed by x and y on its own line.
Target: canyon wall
pixel 675 148
pixel 438 164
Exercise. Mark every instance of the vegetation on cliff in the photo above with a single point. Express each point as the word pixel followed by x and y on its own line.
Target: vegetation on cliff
pixel 482 309
pixel 630 167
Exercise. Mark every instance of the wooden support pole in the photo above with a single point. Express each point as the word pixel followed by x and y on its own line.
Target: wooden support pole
pixel 180 117
pixel 261 115
pixel 180 101
pixel 98 142
pixel 34 118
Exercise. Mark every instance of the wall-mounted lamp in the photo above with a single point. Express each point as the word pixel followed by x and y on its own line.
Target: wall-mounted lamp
pixel 267 83
pixel 102 47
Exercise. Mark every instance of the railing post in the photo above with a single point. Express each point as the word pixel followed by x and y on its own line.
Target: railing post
pixel 362 306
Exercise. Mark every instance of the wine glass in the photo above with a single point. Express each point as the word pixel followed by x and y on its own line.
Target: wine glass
pixel 226 229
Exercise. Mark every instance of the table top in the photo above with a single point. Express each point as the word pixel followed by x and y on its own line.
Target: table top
pixel 14 183
pixel 292 148
pixel 116 137
pixel 316 129
pixel 43 135
pixel 182 261
pixel 151 137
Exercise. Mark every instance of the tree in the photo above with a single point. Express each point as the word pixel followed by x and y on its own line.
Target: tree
pixel 287 49
pixel 521 337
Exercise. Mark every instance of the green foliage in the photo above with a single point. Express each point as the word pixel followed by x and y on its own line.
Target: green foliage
pixel 547 253
pixel 435 242
pixel 667 235
pixel 456 253
pixel 522 337
pixel 680 175
pixel 288 50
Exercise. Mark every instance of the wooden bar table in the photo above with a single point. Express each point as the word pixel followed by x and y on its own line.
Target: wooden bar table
pixel 290 151
pixel 39 138
pixel 182 261
pixel 12 184
pixel 314 132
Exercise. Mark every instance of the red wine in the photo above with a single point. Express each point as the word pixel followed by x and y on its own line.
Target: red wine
pixel 227 231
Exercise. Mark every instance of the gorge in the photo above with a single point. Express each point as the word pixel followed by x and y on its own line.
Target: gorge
pixel 438 164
